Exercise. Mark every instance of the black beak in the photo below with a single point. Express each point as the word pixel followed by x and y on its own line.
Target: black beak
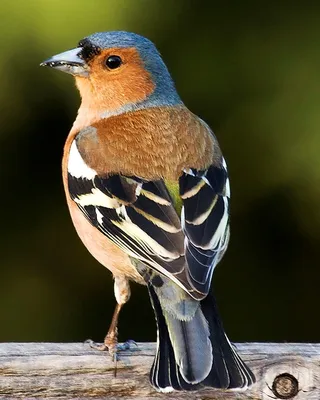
pixel 70 62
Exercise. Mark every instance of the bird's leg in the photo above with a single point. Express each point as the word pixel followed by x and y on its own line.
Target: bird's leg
pixel 111 339
pixel 122 295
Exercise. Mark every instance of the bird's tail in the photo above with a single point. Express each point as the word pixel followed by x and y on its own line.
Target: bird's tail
pixel 185 361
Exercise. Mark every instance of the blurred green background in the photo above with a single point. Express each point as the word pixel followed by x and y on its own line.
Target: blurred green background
pixel 252 71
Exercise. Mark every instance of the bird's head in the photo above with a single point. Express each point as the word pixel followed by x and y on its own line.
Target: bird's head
pixel 117 71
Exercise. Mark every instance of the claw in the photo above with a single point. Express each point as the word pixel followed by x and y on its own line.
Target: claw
pixel 96 346
pixel 126 345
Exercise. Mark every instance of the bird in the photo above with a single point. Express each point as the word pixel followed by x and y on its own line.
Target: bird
pixel 148 192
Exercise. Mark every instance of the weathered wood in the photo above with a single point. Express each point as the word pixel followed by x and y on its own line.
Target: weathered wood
pixel 75 371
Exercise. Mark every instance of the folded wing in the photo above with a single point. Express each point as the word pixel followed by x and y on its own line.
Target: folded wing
pixel 205 221
pixel 142 218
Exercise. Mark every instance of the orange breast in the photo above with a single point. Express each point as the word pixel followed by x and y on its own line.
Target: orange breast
pixel 151 143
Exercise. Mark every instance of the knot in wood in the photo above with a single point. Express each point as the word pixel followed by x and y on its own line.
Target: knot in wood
pixel 285 386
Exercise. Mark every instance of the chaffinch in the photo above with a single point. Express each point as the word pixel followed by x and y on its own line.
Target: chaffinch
pixel 148 192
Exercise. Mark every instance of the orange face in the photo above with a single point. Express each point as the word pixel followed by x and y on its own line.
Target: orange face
pixel 111 88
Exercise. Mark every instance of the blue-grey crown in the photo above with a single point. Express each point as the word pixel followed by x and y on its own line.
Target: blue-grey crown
pixel 165 92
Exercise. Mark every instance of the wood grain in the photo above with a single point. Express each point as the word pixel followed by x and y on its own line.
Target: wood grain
pixel 75 371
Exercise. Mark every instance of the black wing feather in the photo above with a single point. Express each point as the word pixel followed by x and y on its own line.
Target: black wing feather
pixel 139 216
pixel 206 221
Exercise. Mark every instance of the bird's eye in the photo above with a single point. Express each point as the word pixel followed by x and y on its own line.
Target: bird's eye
pixel 113 62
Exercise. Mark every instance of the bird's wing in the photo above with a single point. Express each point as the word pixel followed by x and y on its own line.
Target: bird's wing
pixel 205 221
pixel 142 218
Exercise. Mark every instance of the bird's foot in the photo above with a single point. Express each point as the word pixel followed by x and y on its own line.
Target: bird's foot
pixel 111 345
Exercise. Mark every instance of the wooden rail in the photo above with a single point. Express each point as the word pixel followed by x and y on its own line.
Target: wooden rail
pixel 75 371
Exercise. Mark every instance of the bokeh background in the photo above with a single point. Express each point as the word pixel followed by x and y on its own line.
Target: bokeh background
pixel 252 71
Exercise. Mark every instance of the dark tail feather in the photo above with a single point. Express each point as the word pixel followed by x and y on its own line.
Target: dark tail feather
pixel 164 374
pixel 228 370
